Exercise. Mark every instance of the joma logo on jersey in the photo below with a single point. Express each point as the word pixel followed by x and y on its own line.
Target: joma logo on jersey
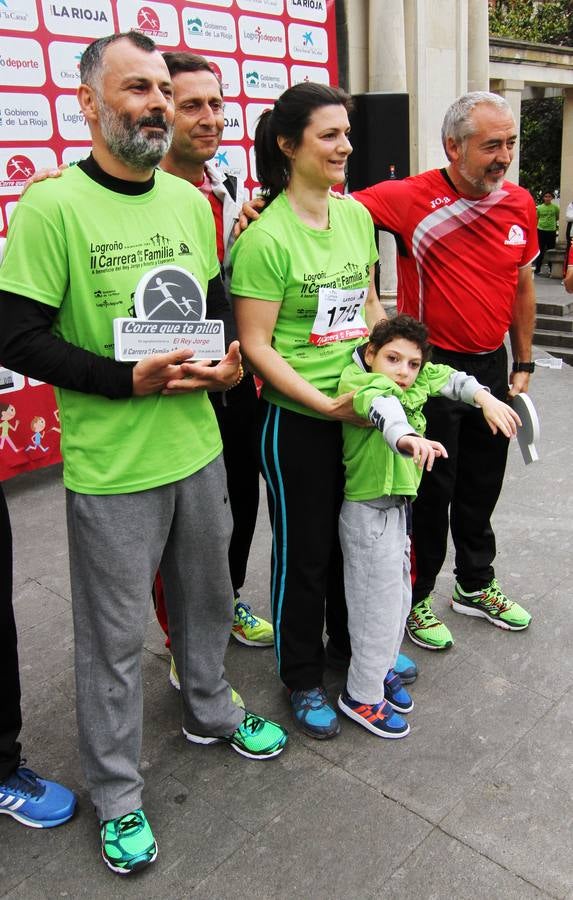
pixel 440 201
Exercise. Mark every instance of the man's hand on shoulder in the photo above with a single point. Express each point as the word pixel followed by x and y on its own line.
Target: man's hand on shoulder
pixel 41 175
pixel 250 211
pixel 203 376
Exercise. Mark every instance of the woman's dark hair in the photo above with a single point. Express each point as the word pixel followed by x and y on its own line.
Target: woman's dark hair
pixel 288 118
pixel 401 326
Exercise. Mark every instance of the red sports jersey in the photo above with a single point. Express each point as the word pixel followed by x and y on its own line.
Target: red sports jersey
pixel 458 258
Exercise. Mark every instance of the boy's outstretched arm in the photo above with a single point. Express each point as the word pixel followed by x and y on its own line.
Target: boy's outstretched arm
pixel 498 415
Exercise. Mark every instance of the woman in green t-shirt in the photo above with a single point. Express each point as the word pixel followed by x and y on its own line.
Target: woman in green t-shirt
pixel 304 298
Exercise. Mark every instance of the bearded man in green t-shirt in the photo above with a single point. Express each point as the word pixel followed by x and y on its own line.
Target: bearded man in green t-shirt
pixel 143 468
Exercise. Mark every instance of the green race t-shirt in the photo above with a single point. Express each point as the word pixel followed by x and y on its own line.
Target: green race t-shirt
pixel 547 216
pixel 282 260
pixel 81 248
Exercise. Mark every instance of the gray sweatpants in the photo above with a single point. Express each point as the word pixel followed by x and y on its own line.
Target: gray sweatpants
pixel 117 543
pixel 377 584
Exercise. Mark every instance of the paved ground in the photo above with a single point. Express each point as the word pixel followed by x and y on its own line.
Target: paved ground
pixel 475 803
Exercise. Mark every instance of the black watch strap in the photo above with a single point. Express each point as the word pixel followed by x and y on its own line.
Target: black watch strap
pixel 523 367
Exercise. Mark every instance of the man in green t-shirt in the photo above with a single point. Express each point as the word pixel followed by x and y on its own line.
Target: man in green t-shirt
pixel 143 469
pixel 547 220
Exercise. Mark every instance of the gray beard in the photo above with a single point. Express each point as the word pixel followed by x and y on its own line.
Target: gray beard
pixel 479 184
pixel 127 143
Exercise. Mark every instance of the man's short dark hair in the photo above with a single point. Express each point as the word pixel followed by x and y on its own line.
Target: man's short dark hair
pixel 182 61
pixel 92 58
pixel 401 326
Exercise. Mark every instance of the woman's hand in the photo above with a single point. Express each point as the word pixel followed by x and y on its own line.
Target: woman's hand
pixel 341 408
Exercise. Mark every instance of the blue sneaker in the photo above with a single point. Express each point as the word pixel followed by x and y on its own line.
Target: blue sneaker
pixel 313 713
pixel 396 694
pixel 379 718
pixel 406 668
pixel 34 801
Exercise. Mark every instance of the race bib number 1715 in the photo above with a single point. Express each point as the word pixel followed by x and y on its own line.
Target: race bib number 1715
pixel 339 316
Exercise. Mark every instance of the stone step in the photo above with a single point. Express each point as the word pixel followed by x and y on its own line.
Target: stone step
pixel 554 323
pixel 555 338
pixel 560 352
pixel 556 307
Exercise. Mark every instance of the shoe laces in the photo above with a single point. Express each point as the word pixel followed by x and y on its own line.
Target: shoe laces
pixel 244 612
pixel 493 596
pixel 423 614
pixel 25 781
pixel 132 822
pixel 251 723
pixel 313 698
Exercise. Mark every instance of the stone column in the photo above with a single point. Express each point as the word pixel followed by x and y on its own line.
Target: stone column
pixel 358 44
pixel 566 186
pixel 512 91
pixel 478 45
pixel 436 61
pixel 387 47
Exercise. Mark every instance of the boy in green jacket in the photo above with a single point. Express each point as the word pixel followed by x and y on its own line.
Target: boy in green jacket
pixel 392 379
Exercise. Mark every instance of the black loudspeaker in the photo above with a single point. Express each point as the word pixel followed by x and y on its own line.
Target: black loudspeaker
pixel 380 138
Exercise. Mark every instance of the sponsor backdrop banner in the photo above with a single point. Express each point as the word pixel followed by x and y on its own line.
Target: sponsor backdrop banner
pixel 257 47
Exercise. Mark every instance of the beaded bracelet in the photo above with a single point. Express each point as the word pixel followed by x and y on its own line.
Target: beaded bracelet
pixel 240 377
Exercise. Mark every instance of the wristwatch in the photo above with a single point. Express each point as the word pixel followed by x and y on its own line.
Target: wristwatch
pixel 523 367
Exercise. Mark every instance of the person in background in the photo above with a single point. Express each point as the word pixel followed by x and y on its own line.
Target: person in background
pixel 547 222
pixel 569 220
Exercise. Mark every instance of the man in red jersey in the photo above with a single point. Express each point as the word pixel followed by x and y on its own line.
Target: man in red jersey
pixel 466 239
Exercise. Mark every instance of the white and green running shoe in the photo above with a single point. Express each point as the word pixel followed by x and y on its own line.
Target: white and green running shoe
pixel 425 629
pixel 491 603
pixel 174 680
pixel 255 737
pixel 127 843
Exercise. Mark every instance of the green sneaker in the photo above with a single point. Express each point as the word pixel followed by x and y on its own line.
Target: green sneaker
pixel 255 737
pixel 127 843
pixel 174 680
pixel 425 629
pixel 491 603
pixel 249 629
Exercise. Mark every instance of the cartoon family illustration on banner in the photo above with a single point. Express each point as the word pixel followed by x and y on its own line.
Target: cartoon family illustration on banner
pixel 29 424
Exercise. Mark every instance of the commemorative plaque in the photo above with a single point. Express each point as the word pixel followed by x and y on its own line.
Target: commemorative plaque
pixel 169 315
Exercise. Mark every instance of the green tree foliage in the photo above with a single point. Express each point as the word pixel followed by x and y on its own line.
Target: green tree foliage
pixel 540 21
pixel 540 142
